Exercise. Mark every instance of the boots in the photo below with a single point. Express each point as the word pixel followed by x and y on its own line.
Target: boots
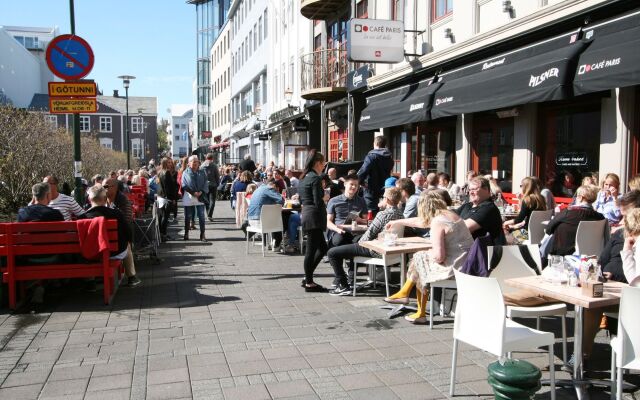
pixel 202 238
pixel 186 231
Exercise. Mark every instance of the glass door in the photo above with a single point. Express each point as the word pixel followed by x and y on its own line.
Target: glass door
pixel 492 143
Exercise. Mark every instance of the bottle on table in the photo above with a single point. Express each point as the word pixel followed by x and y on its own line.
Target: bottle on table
pixel 369 217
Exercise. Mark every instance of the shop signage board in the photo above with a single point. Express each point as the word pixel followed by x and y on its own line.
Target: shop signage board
pixel 571 159
pixel 71 106
pixel 357 79
pixel 73 89
pixel 69 57
pixel 263 136
pixel 375 40
pixel 203 142
pixel 206 135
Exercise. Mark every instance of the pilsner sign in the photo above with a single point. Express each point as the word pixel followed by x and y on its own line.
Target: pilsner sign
pixel 375 40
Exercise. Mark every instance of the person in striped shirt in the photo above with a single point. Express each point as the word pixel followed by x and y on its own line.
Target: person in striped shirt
pixel 69 208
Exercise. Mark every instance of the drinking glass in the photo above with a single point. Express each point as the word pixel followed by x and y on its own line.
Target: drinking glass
pixel 390 238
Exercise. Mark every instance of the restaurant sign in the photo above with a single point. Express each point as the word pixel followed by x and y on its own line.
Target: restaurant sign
pixel 375 40
pixel 571 159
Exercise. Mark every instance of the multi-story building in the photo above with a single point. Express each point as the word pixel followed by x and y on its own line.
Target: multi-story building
pixel 221 94
pixel 178 130
pixel 211 15
pixel 287 136
pixel 249 27
pixel 507 88
pixel 23 69
pixel 108 124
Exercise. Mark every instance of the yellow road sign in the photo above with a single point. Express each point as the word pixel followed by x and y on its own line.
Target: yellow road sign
pixel 72 106
pixel 72 89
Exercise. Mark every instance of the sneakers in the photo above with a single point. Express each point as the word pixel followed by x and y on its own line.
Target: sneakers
pixel 290 249
pixel 133 281
pixel 341 290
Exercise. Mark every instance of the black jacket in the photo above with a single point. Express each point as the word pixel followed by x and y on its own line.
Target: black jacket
pixel 314 211
pixel 124 234
pixel 376 169
pixel 564 227
pixel 610 258
pixel 168 185
pixel 39 213
pixel 247 165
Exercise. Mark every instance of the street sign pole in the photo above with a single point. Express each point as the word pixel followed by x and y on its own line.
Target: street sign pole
pixel 77 155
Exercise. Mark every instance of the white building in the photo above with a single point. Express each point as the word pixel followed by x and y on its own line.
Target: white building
pixel 248 23
pixel 178 130
pixel 290 39
pixel 23 70
pixel 221 94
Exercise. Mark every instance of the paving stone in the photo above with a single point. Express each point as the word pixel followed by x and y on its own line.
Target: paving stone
pixel 116 394
pixel 381 393
pixel 163 363
pixel 247 355
pixel 113 368
pixel 398 377
pixel 281 352
pixel 65 388
pixel 169 391
pixel 26 378
pixel 207 372
pixel 359 381
pixel 107 383
pixel 288 364
pixel 25 392
pixel 326 360
pixel 253 392
pixel 280 390
pixel 249 368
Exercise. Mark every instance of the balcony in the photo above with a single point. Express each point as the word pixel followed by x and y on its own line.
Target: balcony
pixel 324 74
pixel 322 9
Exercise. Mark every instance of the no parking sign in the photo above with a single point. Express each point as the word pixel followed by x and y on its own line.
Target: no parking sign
pixel 69 57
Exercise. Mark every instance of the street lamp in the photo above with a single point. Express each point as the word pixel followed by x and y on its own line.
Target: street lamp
pixel 288 96
pixel 144 131
pixel 126 79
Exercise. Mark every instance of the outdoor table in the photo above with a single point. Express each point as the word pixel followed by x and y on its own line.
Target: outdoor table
pixel 403 246
pixel 507 216
pixel 573 295
pixel 358 229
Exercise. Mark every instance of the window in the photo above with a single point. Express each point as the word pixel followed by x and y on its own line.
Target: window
pixel 85 125
pixel 265 24
pixel 260 30
pixel 440 9
pixel 136 148
pixel 264 89
pixel 105 124
pixel 397 10
pixel 362 9
pixel 52 120
pixel 177 137
pixel 106 143
pixel 136 125
pixel 291 73
pixel 255 37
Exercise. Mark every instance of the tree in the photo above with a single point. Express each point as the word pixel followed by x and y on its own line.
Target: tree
pixel 163 137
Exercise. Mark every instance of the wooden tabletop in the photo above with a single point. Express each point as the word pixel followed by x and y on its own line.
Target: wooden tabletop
pixel 348 228
pixel 403 245
pixel 570 295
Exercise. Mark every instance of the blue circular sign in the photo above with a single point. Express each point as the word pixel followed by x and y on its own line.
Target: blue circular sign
pixel 69 57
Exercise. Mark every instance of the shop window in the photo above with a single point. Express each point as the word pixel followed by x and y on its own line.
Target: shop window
pixel 436 146
pixel 493 149
pixel 338 145
pixel 362 9
pixel 440 9
pixel 569 143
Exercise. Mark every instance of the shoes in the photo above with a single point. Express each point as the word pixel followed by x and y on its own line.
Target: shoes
pixel 401 300
pixel 304 282
pixel 202 238
pixel 192 227
pixel 133 281
pixel 341 290
pixel 314 289
pixel 417 321
pixel 290 249
pixel 186 235
pixel 210 219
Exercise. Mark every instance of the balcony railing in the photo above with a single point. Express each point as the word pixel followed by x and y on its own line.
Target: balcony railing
pixel 324 74
pixel 323 9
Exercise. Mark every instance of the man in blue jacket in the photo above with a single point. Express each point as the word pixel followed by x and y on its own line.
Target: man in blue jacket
pixel 375 170
pixel 265 195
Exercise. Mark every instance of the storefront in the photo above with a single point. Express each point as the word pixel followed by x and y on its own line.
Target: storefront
pixel 288 138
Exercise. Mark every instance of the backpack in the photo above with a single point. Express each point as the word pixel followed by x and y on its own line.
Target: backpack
pixel 213 175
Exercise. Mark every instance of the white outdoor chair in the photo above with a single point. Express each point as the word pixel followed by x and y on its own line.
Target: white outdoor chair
pixel 373 262
pixel 536 229
pixel 591 237
pixel 270 221
pixel 444 285
pixel 481 322
pixel 512 265
pixel 625 348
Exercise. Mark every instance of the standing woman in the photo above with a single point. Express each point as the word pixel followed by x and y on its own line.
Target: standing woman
pixel 314 217
pixel 189 212
pixel 167 195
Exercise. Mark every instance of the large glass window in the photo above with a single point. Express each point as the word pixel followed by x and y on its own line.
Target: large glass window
pixel 440 9
pixel 493 148
pixel 437 148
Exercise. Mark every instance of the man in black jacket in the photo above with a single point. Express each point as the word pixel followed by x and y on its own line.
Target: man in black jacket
pixel 375 170
pixel 247 164
pixel 213 177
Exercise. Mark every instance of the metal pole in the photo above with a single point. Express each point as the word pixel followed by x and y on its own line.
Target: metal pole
pixel 126 124
pixel 77 156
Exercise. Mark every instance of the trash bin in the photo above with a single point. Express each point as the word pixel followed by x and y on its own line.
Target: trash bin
pixel 514 379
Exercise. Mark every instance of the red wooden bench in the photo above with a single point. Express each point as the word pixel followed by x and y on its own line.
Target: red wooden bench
pixel 563 202
pixel 510 198
pixel 24 239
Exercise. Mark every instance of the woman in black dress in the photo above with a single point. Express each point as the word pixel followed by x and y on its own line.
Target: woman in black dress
pixel 314 217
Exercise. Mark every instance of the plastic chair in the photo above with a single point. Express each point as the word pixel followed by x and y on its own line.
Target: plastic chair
pixel 444 285
pixel 536 229
pixel 591 236
pixel 625 348
pixel 384 262
pixel 512 265
pixel 480 322
pixel 270 221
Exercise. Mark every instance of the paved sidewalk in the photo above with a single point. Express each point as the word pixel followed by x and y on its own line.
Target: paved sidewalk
pixel 210 322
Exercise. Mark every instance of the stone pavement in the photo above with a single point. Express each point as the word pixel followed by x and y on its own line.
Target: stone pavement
pixel 210 322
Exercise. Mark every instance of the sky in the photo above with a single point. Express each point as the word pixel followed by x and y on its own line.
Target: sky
pixel 153 40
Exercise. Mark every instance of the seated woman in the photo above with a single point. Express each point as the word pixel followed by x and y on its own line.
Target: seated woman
pixel 240 185
pixel 607 201
pixel 451 241
pixel 631 250
pixel 564 226
pixel 516 229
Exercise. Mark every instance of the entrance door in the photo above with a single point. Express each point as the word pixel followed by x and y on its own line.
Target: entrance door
pixel 436 148
pixel 493 147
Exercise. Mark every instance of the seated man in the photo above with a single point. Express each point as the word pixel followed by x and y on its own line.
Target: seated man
pixel 339 209
pixel 410 196
pixel 67 205
pixel 338 254
pixel 98 198
pixel 480 214
pixel 38 210
pixel 265 195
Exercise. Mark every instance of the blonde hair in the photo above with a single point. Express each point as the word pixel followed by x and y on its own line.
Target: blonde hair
pixel 632 222
pixel 615 178
pixel 393 196
pixel 430 204
pixel 251 188
pixel 589 193
pixel 634 183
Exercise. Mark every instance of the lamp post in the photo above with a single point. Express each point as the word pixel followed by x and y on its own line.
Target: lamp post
pixel 288 96
pixel 144 131
pixel 126 79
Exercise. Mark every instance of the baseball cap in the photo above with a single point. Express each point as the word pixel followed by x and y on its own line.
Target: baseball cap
pixel 390 182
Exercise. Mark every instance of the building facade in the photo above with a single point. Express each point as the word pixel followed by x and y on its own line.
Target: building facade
pixel 221 95
pixel 178 130
pixel 507 88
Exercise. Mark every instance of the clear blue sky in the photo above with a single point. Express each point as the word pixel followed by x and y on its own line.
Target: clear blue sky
pixel 154 40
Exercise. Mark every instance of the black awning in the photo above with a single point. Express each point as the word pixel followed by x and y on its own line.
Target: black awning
pixel 539 72
pixel 399 106
pixel 613 57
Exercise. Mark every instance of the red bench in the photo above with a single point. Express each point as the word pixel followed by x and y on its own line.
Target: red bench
pixel 510 198
pixel 54 238
pixel 563 202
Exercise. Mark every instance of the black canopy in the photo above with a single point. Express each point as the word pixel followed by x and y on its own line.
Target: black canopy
pixel 399 106
pixel 613 57
pixel 536 73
